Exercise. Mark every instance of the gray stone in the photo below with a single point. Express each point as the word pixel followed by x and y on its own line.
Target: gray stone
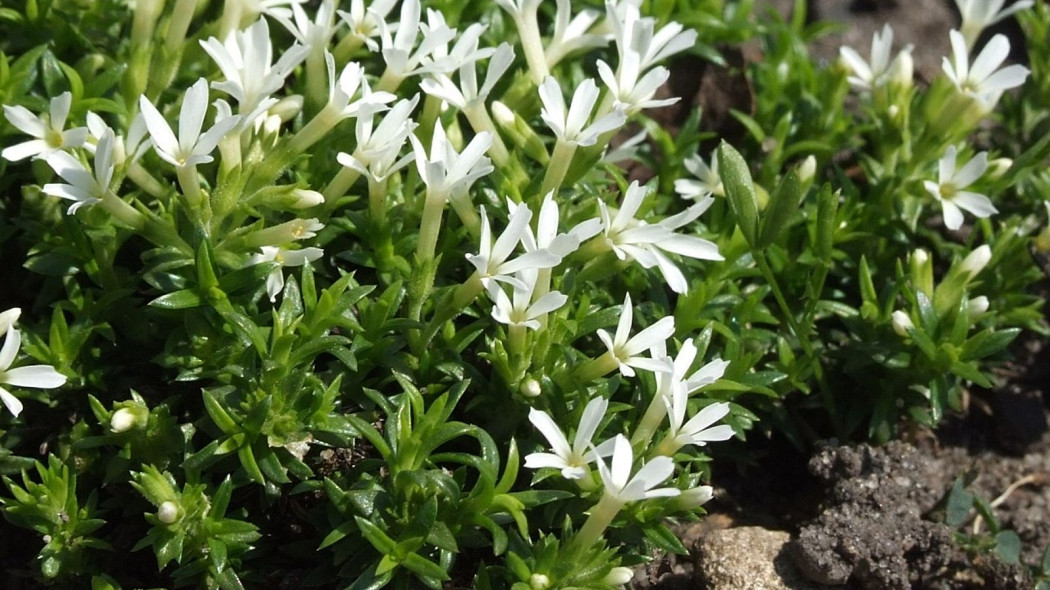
pixel 747 558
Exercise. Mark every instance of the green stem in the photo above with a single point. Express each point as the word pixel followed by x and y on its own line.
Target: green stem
pixel 316 79
pixel 650 421
pixel 558 167
pixel 377 201
pixel 479 118
pixel 430 225
pixel 141 177
pixel 190 184
pixel 602 515
pixel 343 180
pixel 179 24
pixel 346 47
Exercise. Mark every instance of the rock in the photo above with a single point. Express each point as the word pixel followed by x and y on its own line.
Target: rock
pixel 747 558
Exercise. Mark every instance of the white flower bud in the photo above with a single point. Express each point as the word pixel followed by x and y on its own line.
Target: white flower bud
pixel 977 306
pixel 530 388
pixel 9 318
pixel 975 262
pixel 306 198
pixel 288 107
pixel 122 420
pixel 539 582
pixel 502 114
pixel 998 167
pixel 902 323
pixel 618 576
pixel 168 512
pixel 807 169
pixel 695 497
pixel 920 256
pixel 902 70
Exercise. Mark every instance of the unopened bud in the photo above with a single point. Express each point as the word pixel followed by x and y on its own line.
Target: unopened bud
pixel 902 324
pixel 694 498
pixel 807 170
pixel 902 70
pixel 519 132
pixel 9 318
pixel 289 231
pixel 998 167
pixel 168 512
pixel 975 262
pixel 305 198
pixel 122 420
pixel 530 388
pixel 539 582
pixel 618 576
pixel 288 107
pixel 977 306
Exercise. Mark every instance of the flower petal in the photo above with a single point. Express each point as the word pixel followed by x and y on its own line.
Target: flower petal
pixel 34 376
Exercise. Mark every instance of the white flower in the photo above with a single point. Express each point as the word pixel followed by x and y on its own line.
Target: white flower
pixel 447 172
pixel 364 23
pixel 33 376
pixel 284 257
pixel 634 34
pixel 645 243
pixel 698 430
pixel 570 33
pixel 949 185
pixel 84 187
pixel 192 147
pixel 571 126
pixel 491 260
pixel 245 60
pixel 572 460
pixel 400 52
pixel 125 149
pixel 547 236
pixel 314 34
pixel 677 379
pixel 49 134
pixel 627 350
pixel 707 182
pixel 876 73
pixel 519 309
pixel 622 487
pixel 378 146
pixel 342 90
pixel 983 80
pixel 632 90
pixel 467 94
pixel 977 15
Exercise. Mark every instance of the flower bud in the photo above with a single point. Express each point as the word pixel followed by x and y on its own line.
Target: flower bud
pixel 289 231
pixel 530 388
pixel 304 198
pixel 122 420
pixel 519 132
pixel 288 107
pixel 998 167
pixel 975 262
pixel 694 498
pixel 539 582
pixel 168 512
pixel 902 70
pixel 618 576
pixel 807 170
pixel 977 306
pixel 902 324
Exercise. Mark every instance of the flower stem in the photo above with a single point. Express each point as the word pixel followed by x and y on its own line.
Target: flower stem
pixel 141 177
pixel 377 201
pixel 179 24
pixel 602 515
pixel 430 224
pixel 479 118
pixel 558 167
pixel 341 183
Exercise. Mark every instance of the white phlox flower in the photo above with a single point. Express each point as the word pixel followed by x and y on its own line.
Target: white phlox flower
pixel 707 182
pixel 978 15
pixel 284 257
pixel 622 487
pixel 400 52
pixel 84 186
pixel 877 72
pixel 950 182
pixel 519 309
pixel 573 126
pixel 314 34
pixel 246 62
pixel 983 79
pixel 342 90
pixel 467 94
pixel 699 430
pixel 126 150
pixel 645 243
pixel 626 150
pixel 631 89
pixel 191 147
pixel 492 262
pixel 447 172
pixel 32 376
pixel 364 22
pixel 570 33
pixel 48 132
pixel 378 146
pixel 546 236
pixel 627 349
pixel 633 33
pixel 441 59
pixel 678 379
pixel 572 461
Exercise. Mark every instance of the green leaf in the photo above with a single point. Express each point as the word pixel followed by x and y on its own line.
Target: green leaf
pixel 383 543
pixel 827 209
pixel 247 458
pixel 218 414
pixel 740 190
pixel 184 299
pixel 424 567
pixel 664 539
pixel 782 204
pixel 960 502
pixel 987 343
pixel 1008 547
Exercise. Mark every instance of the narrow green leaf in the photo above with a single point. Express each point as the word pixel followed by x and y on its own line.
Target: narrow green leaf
pixel 184 299
pixel 782 205
pixel 740 190
pixel 218 414
pixel 374 535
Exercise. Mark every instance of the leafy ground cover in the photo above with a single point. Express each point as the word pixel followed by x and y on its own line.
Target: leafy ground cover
pixel 443 294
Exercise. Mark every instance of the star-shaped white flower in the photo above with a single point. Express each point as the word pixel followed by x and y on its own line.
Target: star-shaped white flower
pixel 403 57
pixel 573 126
pixel 492 262
pixel 342 90
pixel 378 146
pixel 314 34
pixel 870 75
pixel 622 487
pixel 191 147
pixel 707 182
pixel 364 22
pixel 245 59
pixel 84 186
pixel 467 94
pixel 950 182
pixel 48 133
pixel 284 257
pixel 32 376
pixel 570 33
pixel 983 79
pixel 572 460
pixel 699 430
pixel 447 172
pixel 978 15
pixel 520 309
pixel 627 349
